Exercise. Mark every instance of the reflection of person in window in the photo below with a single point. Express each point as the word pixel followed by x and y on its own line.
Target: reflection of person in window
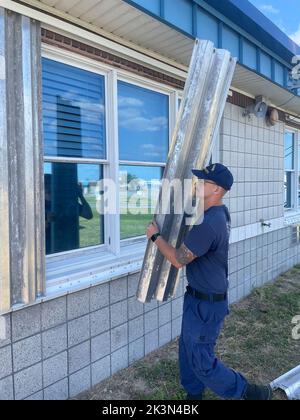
pixel 49 215
pixel 85 210
pixel 60 220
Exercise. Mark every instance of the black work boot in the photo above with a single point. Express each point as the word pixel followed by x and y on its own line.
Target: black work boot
pixel 198 397
pixel 258 392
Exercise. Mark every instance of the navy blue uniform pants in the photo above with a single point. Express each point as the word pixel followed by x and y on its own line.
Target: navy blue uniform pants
pixel 199 368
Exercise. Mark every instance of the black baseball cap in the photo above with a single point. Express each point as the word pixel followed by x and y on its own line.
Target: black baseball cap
pixel 217 173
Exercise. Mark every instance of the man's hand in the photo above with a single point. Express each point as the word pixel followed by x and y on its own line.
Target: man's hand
pixel 152 230
pixel 177 257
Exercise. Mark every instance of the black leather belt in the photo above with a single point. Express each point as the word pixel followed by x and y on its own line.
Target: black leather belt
pixel 209 298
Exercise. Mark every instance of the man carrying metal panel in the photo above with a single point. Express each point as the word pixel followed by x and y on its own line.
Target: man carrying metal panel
pixel 204 252
pixel 203 102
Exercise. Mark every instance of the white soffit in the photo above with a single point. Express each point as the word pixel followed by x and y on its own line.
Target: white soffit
pixel 122 23
pixel 252 83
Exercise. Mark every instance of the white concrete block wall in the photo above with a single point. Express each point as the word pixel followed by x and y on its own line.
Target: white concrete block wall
pixel 60 348
pixel 259 260
pixel 254 152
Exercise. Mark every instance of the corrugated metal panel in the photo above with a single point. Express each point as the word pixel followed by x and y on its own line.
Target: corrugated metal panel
pixel 22 251
pixel 203 103
pixel 289 383
pixel 4 197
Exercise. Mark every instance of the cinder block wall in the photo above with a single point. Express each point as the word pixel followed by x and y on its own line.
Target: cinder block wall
pixel 260 260
pixel 60 348
pixel 254 152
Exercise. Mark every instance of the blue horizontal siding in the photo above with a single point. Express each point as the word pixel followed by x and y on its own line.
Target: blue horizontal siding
pixel 152 5
pixel 248 17
pixel 279 74
pixel 231 41
pixel 179 14
pixel 266 65
pixel 249 58
pixel 207 26
pixel 206 19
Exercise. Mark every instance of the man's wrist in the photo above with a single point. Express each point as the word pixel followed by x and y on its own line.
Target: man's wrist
pixel 155 236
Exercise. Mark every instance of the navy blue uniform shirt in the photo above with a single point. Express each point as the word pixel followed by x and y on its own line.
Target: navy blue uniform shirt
pixel 208 273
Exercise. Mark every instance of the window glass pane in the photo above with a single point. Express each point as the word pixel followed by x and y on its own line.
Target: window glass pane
pixel 139 191
pixel 288 190
pixel 73 111
pixel 71 216
pixel 289 151
pixel 143 124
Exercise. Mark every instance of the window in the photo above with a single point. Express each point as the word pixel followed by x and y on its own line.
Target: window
pixel 143 123
pixel 71 216
pixel 139 190
pixel 73 112
pixel 292 170
pixel 100 124
pixel 82 149
pixel 75 149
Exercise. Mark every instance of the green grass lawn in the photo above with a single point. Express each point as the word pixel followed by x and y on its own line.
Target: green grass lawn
pixel 257 341
pixel 132 225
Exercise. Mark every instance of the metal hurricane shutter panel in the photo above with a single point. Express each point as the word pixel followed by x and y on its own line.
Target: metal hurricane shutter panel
pixel 22 255
pixel 204 98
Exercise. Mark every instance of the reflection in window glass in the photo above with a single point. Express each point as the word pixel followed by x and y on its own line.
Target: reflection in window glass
pixel 139 190
pixel 289 151
pixel 143 124
pixel 71 217
pixel 73 111
pixel 288 190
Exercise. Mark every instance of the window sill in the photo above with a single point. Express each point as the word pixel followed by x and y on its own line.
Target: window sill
pixel 292 217
pixel 80 272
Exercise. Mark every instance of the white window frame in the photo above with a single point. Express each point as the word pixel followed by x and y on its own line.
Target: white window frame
pixel 73 60
pixel 97 264
pixel 295 206
pixel 113 248
pixel 154 87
